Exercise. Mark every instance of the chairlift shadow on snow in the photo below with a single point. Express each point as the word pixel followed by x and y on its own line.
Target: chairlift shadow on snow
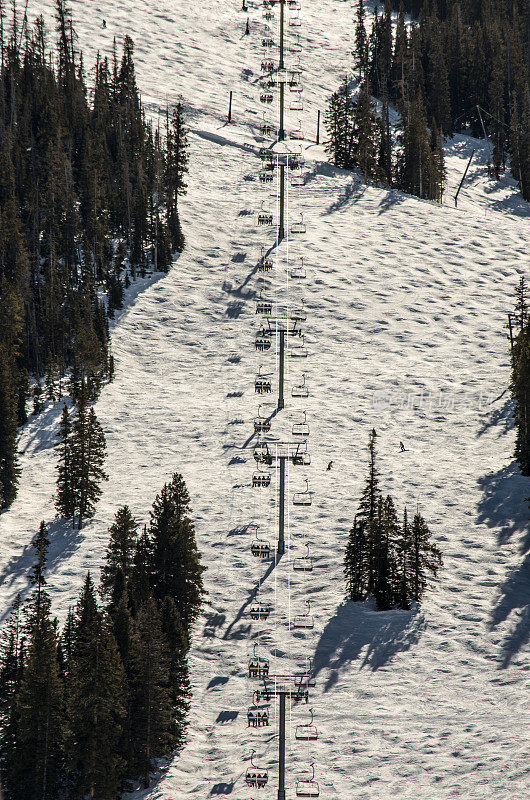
pixel 357 628
pixel 229 633
pixel 64 540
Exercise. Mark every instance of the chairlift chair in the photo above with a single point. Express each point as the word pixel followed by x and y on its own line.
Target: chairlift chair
pixel 261 424
pixel 298 350
pixel 258 667
pixel 265 218
pixel 262 384
pixel 268 43
pixel 261 479
pixel 296 161
pixel 267 65
pixel 304 621
pixel 256 776
pixel 295 22
pixel 296 87
pixel 303 498
pixel 262 454
pixel 301 457
pixel 296 134
pixel 298 313
pixel 308 787
pixel 258 716
pixel 266 97
pixel 301 428
pixel 259 610
pixel 303 563
pixel 295 46
pixel 260 548
pixel 298 179
pixel 299 226
pixel 268 15
pixel 298 271
pixel 263 306
pixel 296 104
pixel 265 263
pixel 306 732
pixel 300 389
pixel 266 176
pixel 294 5
pixel 263 340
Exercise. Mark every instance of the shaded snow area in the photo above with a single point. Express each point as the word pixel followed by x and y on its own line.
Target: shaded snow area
pixel 406 304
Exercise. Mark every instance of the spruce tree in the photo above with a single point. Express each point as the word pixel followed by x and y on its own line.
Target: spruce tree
pixel 153 731
pixel 120 550
pixel 365 135
pixel 355 562
pixel 65 498
pixel 426 558
pixel 9 468
pixel 95 693
pixel 176 564
pixel 361 43
pixel 178 643
pixel 88 448
pixel 37 579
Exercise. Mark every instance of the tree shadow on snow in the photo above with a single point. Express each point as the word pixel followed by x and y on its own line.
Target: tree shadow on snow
pixel 358 628
pixel 499 416
pixel 502 505
pixel 64 540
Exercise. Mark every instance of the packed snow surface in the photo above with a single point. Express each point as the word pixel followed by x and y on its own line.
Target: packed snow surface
pixel 407 305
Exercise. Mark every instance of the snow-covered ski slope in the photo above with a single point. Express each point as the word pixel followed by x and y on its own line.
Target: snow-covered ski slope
pixel 407 301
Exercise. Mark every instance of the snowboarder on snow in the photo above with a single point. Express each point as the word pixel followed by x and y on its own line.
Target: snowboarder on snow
pixel 330 465
pixel 402 447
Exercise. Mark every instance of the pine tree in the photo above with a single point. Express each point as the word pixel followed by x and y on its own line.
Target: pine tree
pixel 178 643
pixel 403 590
pixel 9 468
pixel 176 170
pixel 425 559
pixel 361 43
pixel 36 577
pixel 96 690
pixel 65 498
pixel 120 551
pixel 354 562
pixel 154 730
pixel 141 583
pixel 37 768
pixel 365 135
pixel 338 121
pixel 177 571
pixel 88 449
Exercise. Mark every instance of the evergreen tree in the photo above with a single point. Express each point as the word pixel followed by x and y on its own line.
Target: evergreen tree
pixel 65 498
pixel 361 43
pixel 9 469
pixel 425 557
pixel 177 571
pixel 177 168
pixel 338 121
pixel 96 691
pixel 354 562
pixel 365 135
pixel 88 449
pixel 120 551
pixel 37 579
pixel 178 643
pixel 154 731
pixel 141 583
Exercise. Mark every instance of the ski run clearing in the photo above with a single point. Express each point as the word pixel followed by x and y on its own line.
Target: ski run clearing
pixel 407 304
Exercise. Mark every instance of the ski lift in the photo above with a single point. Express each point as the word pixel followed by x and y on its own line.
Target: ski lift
pixel 256 776
pixel 304 621
pixel 306 732
pixel 266 97
pixel 261 424
pixel 264 218
pixel 260 548
pixel 308 787
pixel 258 716
pixel 298 179
pixel 259 610
pixel 263 306
pixel 266 155
pixel 268 15
pixel 298 313
pixel 267 65
pixel 295 74
pixel 303 563
pixel 296 104
pixel 297 134
pixel 298 350
pixel 265 263
pixel 301 428
pixel 266 176
pixel 303 498
pixel 295 46
pixel 300 389
pixel 294 5
pixel 261 479
pixel 296 87
pixel 267 83
pixel 301 457
pixel 262 384
pixel 298 271
pixel 258 667
pixel 263 340
pixel 262 454
pixel 299 226
pixel 296 161
pixel 268 43
pixel 306 679
pixel 295 22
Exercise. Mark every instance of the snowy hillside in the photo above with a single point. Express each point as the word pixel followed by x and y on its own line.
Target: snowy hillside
pixel 406 303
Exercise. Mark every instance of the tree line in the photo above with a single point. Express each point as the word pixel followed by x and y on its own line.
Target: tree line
pixel 89 193
pixel 387 558
pixel 461 64
pixel 86 711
